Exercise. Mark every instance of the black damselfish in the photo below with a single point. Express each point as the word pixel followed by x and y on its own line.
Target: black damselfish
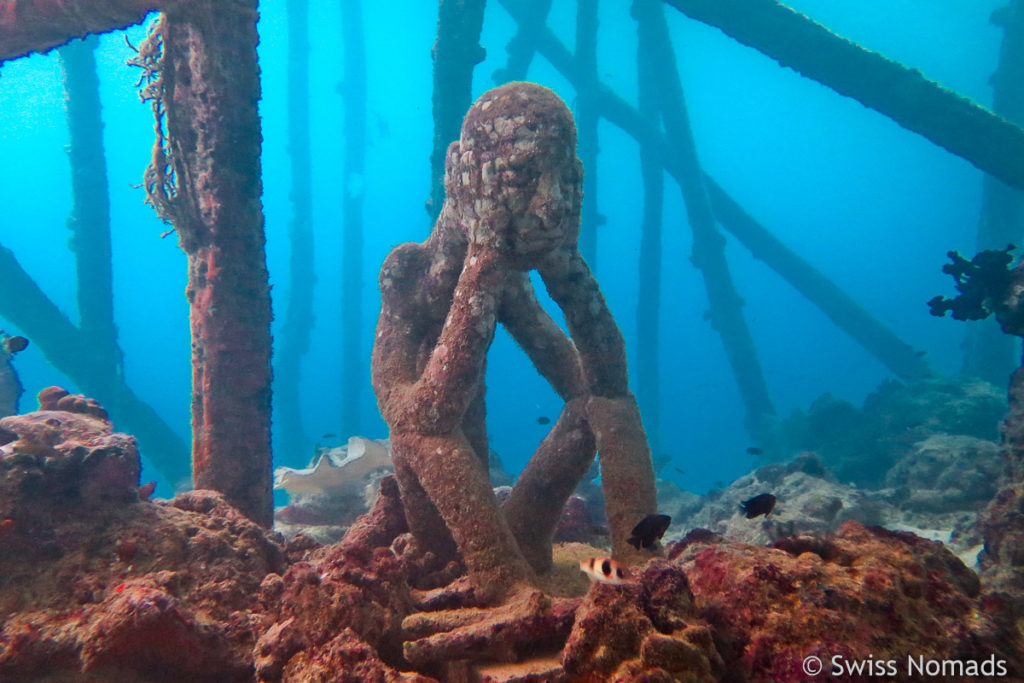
pixel 758 505
pixel 649 531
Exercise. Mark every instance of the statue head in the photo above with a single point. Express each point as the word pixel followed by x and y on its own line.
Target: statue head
pixel 513 180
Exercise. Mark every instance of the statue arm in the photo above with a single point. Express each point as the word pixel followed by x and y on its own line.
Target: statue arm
pixel 552 352
pixel 601 347
pixel 434 400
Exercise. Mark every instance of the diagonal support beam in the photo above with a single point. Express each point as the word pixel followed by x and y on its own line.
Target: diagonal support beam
pixel 725 306
pixel 877 340
pixel 951 121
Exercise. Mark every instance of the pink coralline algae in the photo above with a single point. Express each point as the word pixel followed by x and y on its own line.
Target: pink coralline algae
pixel 865 595
pixel 99 584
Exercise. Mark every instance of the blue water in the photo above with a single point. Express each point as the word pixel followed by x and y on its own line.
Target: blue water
pixel 872 205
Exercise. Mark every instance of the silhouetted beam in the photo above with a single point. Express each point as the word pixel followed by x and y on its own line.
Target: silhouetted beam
pixel 456 52
pixel 725 306
pixel 949 120
pixel 522 45
pixel 841 309
pixel 586 125
pixel 28 26
pixel 989 353
pixel 352 360
pixel 90 216
pixel 291 447
pixel 648 305
pixel 897 355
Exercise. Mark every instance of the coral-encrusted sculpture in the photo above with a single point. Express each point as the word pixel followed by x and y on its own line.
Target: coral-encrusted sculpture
pixel 513 187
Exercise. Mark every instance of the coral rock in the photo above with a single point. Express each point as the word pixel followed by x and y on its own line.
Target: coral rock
pixel 65 455
pixel 345 659
pixel 118 592
pixel 644 630
pixel 865 593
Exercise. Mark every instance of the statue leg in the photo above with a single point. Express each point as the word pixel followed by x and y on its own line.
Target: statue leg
pixel 535 505
pixel 424 520
pixel 450 473
pixel 627 475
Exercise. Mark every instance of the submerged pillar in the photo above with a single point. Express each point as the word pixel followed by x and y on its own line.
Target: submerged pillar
pixel 352 362
pixel 988 353
pixel 586 124
pixel 725 306
pixel 648 305
pixel 290 435
pixel 210 89
pixel 89 221
pixel 456 52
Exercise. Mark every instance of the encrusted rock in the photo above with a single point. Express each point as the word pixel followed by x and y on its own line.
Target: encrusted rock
pixel 643 630
pixel 66 453
pixel 866 593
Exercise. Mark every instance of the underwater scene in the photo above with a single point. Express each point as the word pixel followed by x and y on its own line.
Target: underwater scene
pixel 520 341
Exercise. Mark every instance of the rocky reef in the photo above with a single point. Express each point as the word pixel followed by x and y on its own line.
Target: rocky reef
pixel 921 457
pixel 98 582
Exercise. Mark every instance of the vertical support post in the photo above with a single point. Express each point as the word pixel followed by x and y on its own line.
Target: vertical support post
pixel 725 306
pixel 352 212
pixel 90 218
pixel 290 435
pixel 456 52
pixel 648 305
pixel 586 125
pixel 523 45
pixel 211 90
pixel 988 352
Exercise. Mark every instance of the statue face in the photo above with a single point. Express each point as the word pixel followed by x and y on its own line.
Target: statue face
pixel 513 179
pixel 544 207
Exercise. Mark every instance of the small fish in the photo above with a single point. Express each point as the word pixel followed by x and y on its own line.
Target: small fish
pixel 328 436
pixel 649 531
pixel 14 344
pixel 754 450
pixel 543 420
pixel 605 570
pixel 680 471
pixel 758 505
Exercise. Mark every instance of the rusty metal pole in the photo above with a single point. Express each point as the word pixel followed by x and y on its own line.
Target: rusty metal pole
pixel 211 88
